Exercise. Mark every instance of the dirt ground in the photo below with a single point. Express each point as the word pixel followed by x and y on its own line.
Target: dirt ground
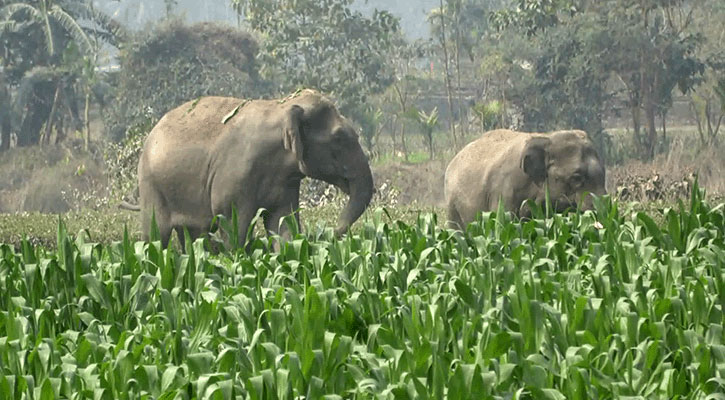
pixel 420 183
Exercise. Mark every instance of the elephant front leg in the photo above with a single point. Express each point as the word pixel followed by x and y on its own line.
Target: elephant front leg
pixel 244 221
pixel 287 203
pixel 272 223
pixel 244 215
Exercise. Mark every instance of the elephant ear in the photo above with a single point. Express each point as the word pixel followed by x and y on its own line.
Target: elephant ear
pixel 534 158
pixel 292 135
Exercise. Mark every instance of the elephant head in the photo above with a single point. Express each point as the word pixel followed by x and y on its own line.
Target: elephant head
pixel 567 164
pixel 326 147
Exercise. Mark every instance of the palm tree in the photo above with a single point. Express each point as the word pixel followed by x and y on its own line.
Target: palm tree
pixel 48 13
pixel 428 123
pixel 60 37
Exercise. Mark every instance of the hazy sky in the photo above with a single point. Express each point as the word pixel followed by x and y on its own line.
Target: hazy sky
pixel 137 13
pixel 412 13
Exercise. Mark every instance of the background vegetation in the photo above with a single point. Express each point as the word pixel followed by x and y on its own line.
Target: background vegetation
pixel 89 79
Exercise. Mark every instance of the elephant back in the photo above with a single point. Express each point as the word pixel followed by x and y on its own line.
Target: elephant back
pixel 202 119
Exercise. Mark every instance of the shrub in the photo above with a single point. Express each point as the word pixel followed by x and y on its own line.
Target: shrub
pixel 165 67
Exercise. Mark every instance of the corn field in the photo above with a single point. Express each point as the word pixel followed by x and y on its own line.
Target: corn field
pixel 600 304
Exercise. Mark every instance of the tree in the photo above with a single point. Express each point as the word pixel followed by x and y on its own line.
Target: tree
pixel 707 103
pixel 170 6
pixel 533 16
pixel 324 45
pixel 707 99
pixel 439 15
pixel 38 37
pixel 648 46
pixel 404 90
pixel 488 114
pixel 83 67
pixel 655 50
pixel 53 19
pixel 559 79
pixel 458 27
pixel 5 114
pixel 493 75
pixel 370 128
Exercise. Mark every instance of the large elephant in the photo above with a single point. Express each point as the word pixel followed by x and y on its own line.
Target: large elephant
pixel 211 154
pixel 511 167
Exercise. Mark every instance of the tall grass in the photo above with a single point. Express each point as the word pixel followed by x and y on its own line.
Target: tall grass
pixel 592 305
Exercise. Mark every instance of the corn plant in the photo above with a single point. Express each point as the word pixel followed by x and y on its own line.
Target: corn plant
pixel 599 304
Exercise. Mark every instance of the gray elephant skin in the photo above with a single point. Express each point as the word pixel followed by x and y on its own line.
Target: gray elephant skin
pixel 214 153
pixel 511 167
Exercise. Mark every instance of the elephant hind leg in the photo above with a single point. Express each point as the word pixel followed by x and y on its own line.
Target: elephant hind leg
pixel 153 207
pixel 162 222
pixel 194 233
pixel 272 225
pixel 454 217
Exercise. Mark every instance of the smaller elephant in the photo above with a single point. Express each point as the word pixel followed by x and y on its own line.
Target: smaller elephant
pixel 512 167
pixel 207 156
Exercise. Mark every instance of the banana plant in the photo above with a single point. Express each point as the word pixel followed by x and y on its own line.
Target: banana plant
pixel 428 123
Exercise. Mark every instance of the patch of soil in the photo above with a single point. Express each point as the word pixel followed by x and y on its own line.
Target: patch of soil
pixel 420 183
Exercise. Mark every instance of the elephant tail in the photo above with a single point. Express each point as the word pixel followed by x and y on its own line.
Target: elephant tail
pixel 127 205
pixel 124 205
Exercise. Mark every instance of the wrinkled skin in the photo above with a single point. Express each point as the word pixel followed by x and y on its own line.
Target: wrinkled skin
pixel 193 166
pixel 512 167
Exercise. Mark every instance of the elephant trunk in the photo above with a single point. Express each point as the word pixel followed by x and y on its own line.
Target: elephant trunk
pixel 360 189
pixel 597 185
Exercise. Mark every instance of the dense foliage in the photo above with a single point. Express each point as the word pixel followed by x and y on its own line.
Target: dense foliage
pixel 325 45
pixel 47 80
pixel 601 58
pixel 174 63
pixel 590 305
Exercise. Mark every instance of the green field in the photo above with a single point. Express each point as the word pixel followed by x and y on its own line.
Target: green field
pixel 597 305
